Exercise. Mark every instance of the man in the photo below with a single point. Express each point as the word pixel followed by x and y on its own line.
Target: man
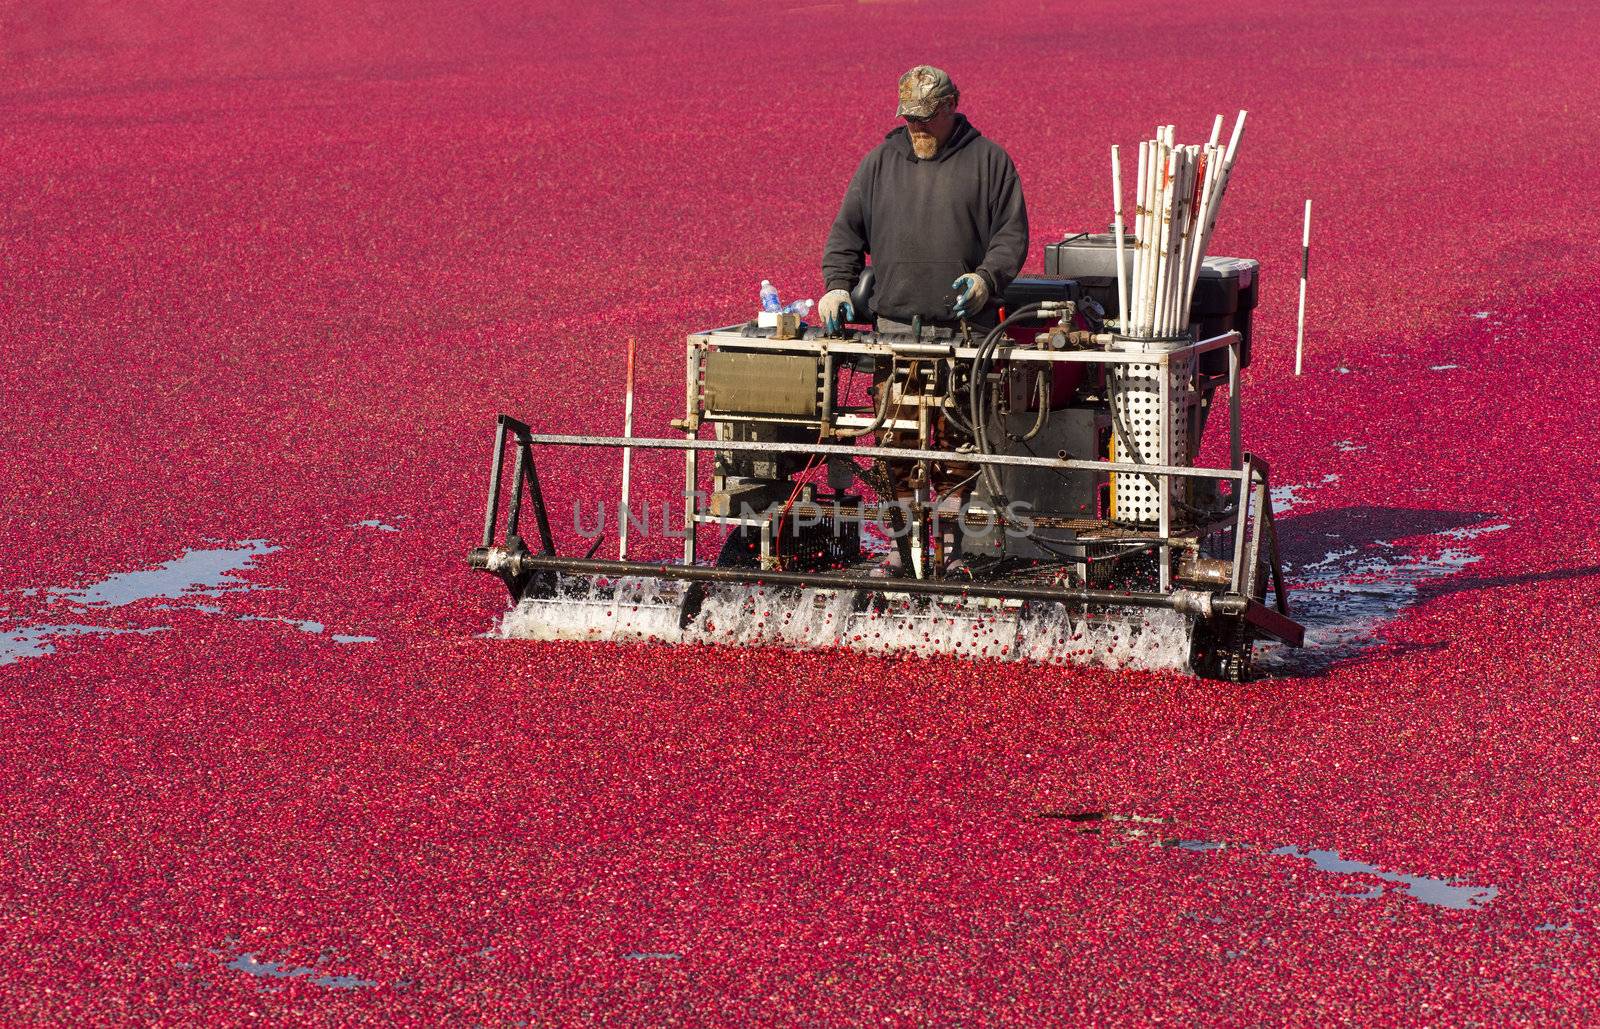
pixel 939 209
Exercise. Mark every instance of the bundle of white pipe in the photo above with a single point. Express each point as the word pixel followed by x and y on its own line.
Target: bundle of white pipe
pixel 1177 193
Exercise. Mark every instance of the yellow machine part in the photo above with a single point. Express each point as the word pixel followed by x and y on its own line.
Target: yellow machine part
pixel 1112 454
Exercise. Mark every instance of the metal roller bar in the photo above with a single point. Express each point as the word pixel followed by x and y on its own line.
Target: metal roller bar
pixel 1189 601
pixel 890 453
pixel 951 350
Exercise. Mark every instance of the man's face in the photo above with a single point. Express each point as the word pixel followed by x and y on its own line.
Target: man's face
pixel 929 134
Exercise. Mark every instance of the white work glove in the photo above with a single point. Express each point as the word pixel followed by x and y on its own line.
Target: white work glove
pixel 835 310
pixel 974 295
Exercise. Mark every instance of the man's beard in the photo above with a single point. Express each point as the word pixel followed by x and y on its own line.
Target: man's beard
pixel 924 144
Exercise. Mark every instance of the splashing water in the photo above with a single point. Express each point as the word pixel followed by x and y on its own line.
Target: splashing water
pixel 647 609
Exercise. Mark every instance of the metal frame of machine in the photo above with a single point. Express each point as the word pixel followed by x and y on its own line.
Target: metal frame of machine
pixel 778 412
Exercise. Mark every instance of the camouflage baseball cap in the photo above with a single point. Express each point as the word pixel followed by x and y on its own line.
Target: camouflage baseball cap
pixel 922 90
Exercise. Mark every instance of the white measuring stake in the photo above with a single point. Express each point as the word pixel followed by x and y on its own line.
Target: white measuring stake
pixel 1305 271
pixel 627 456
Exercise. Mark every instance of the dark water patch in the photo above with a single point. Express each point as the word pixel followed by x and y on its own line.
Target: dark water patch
pixel 1349 575
pixel 187 581
pixel 209 572
pixel 1435 891
pixel 304 625
pixel 25 641
pixel 248 964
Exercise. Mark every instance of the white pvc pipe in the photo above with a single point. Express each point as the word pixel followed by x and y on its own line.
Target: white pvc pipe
pixel 1169 184
pixel 1116 226
pixel 1164 215
pixel 1222 187
pixel 1180 267
pixel 1161 217
pixel 1305 271
pixel 1173 203
pixel 1177 197
pixel 1147 252
pixel 1197 215
pixel 1202 179
pixel 627 456
pixel 1182 212
pixel 1141 240
pixel 1141 234
pixel 1233 142
pixel 1138 193
pixel 1152 225
pixel 1208 199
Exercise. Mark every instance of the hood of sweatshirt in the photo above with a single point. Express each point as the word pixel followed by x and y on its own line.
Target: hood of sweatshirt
pixel 900 140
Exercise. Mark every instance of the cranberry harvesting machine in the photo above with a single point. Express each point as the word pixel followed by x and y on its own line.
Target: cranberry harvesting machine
pixel 1034 486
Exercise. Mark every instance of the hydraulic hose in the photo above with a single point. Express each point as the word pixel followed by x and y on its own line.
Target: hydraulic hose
pixel 1041 380
pixel 880 414
pixel 981 364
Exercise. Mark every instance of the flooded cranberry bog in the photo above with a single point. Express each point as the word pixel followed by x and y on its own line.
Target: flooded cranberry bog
pixel 266 279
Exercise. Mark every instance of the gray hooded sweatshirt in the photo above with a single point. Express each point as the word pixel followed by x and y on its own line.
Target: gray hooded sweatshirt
pixel 927 222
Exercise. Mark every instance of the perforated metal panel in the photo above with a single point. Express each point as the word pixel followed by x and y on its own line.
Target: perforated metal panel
pixel 1145 433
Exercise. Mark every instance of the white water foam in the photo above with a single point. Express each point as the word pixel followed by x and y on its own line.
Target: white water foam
pixel 647 609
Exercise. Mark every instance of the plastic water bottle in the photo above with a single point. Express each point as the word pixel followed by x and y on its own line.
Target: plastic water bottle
pixel 769 297
pixel 801 308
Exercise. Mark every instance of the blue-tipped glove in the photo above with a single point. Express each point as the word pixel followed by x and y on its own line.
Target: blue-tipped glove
pixel 834 310
pixel 974 295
